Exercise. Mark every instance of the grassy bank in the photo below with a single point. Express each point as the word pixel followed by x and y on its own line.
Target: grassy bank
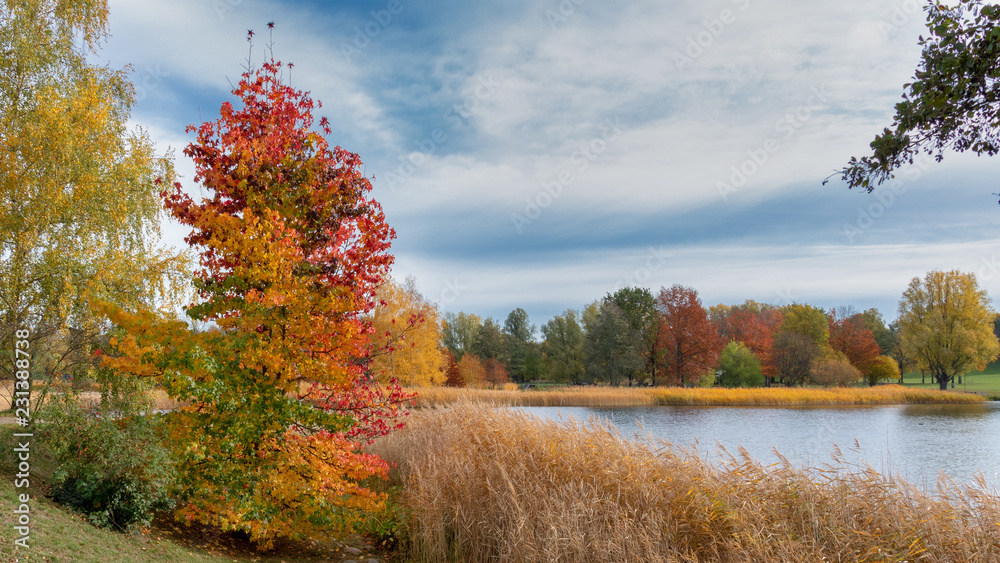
pixel 482 484
pixel 60 535
pixel 635 396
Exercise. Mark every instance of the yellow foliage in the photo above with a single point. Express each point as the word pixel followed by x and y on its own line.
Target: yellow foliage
pixel 409 328
pixel 946 324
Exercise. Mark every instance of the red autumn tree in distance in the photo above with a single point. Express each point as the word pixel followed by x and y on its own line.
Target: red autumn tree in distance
pixel 690 342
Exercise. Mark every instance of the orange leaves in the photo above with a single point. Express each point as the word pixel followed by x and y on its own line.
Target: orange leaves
pixel 292 250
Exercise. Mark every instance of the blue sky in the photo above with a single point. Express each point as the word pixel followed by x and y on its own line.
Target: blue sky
pixel 540 154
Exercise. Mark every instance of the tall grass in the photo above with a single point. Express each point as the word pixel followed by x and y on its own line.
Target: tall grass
pixel 636 396
pixel 486 484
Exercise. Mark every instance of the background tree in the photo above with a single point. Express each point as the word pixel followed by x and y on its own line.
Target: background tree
pixel 458 333
pixel 808 321
pixel 491 342
pixel 292 251
pixel 690 343
pixel 453 375
pixel 836 370
pixel 793 355
pixel 80 211
pixel 883 368
pixel 520 335
pixel 849 336
pixel 946 325
pixel 884 337
pixel 407 329
pixel 639 307
pixel 754 325
pixel 612 351
pixel 953 102
pixel 472 371
pixel 740 367
pixel 565 348
pixel 495 374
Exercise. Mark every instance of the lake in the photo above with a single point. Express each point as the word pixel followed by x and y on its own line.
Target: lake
pixel 915 441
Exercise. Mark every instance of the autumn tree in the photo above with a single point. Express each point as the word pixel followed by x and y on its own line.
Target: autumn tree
pixel 873 321
pixel 472 371
pixel 953 102
pixel 754 325
pixel 793 355
pixel 458 333
pixel 690 343
pixel 80 211
pixel 407 331
pixel 564 348
pixel 849 336
pixel 946 325
pixel 808 321
pixel 883 368
pixel 453 375
pixel 292 251
pixel 833 371
pixel 494 373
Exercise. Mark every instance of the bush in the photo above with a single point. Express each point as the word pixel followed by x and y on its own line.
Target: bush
pixel 111 464
pixel 740 367
pixel 707 379
pixel 883 368
pixel 833 371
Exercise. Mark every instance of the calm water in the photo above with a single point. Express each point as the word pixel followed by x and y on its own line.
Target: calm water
pixel 915 441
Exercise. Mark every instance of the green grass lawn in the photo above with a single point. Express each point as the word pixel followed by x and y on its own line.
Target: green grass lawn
pixel 985 382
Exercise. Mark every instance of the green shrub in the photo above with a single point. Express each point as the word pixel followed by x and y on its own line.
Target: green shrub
pixel 111 462
pixel 740 367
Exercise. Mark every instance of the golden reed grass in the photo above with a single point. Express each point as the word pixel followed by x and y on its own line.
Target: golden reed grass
pixel 485 484
pixel 646 396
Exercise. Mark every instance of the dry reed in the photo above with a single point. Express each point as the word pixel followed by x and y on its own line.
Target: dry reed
pixel 485 484
pixel 638 396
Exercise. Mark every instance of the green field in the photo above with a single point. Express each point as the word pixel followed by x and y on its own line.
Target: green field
pixel 985 382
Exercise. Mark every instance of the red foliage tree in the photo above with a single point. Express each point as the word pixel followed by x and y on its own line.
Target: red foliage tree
pixel 690 342
pixel 849 335
pixel 754 328
pixel 452 374
pixel 292 249
pixel 496 374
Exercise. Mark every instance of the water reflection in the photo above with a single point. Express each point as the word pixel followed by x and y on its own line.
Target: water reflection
pixel 916 441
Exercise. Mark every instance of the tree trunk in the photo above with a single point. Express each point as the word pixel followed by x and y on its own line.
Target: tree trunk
pixel 942 381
